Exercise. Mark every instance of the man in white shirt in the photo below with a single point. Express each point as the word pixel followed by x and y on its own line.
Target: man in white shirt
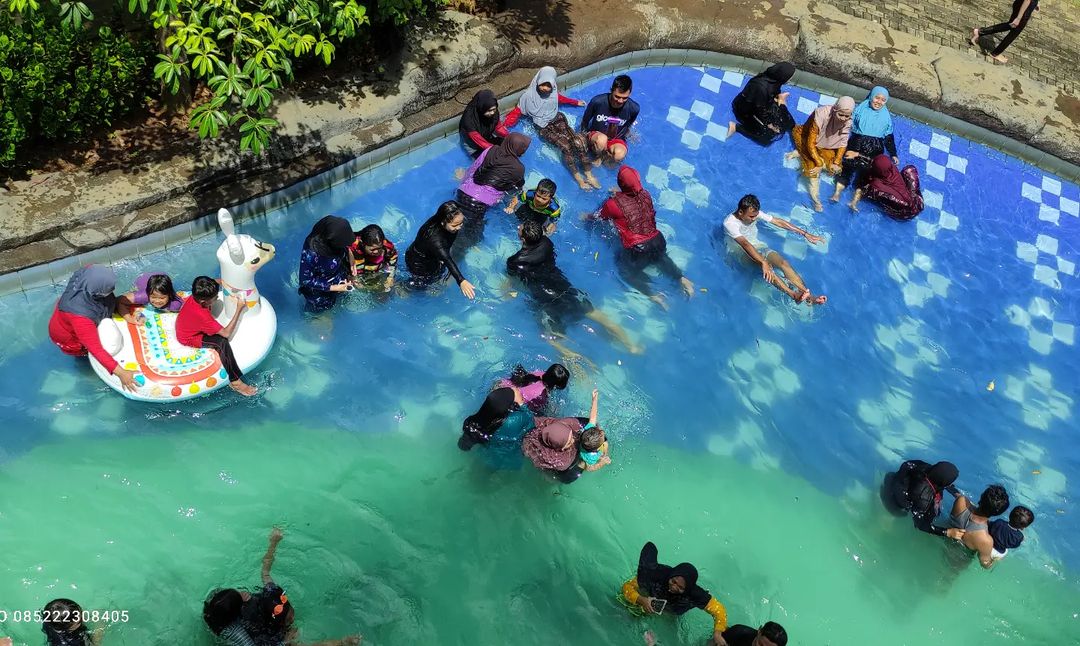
pixel 741 226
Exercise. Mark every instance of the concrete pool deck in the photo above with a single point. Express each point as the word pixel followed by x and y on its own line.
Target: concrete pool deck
pixel 58 215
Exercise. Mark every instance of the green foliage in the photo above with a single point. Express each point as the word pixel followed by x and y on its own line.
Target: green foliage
pixel 62 79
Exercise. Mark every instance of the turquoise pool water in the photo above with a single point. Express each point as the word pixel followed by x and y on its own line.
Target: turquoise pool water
pixel 749 438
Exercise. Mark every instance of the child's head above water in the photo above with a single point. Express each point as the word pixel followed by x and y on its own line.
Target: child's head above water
pixel 63 616
pixel 371 239
pixel 1021 517
pixel 204 289
pixel 556 376
pixel 592 439
pixel 160 291
pixel 222 608
pixel 544 193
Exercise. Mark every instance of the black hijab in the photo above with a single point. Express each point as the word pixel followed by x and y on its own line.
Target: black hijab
pixel 766 86
pixel 330 237
pixel 481 425
pixel 473 119
pixel 653 577
pixel 502 168
pixel 926 484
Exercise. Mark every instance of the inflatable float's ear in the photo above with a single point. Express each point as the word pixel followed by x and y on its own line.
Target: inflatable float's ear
pixel 110 337
pixel 225 221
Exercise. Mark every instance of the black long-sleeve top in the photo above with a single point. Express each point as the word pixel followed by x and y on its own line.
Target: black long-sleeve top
pixel 430 252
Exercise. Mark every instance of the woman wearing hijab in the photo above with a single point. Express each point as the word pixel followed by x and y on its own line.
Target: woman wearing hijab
pixel 326 265
pixel 554 445
pixel 496 172
pixel 761 109
pixel 428 257
pixel 820 143
pixel 540 102
pixel 88 300
pixel 916 488
pixel 479 126
pixel 662 589
pixel 896 192
pixel 632 212
pixel 871 135
pixel 498 425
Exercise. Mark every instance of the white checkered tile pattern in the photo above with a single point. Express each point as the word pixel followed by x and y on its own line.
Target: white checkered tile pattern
pixel 1035 392
pixel 1042 328
pixel 907 344
pixel 1044 255
pixel 761 376
pixel 938 156
pixel 677 186
pixel 1050 200
pixel 918 280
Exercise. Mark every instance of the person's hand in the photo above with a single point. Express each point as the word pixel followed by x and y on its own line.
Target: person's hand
pixel 896 160
pixel 550 229
pixel 467 289
pixel 276 535
pixel 6 641
pixel 127 378
pixel 646 605
pixel 595 394
pixel 835 168
pixel 718 639
pixel 389 283
pixel 1014 24
pixel 343 286
pixel 815 171
pixel 955 533
pixel 767 272
pixel 130 318
pixel 813 239
pixel 851 154
pixel 580 103
pixel 781 98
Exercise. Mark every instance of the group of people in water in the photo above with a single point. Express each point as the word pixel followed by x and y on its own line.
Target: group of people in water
pixel 852 141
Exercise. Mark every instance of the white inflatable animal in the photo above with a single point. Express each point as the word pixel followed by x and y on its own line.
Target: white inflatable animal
pixel 169 371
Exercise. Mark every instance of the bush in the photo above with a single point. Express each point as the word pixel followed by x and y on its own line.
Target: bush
pixel 58 83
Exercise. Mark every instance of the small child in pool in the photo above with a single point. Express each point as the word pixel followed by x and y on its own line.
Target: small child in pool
pixel 375 258
pixel 63 625
pixel 153 289
pixel 593 444
pixel 1009 535
pixel 196 327
pixel 539 205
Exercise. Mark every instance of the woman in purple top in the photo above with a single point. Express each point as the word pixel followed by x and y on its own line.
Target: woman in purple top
pixel 534 386
pixel 496 172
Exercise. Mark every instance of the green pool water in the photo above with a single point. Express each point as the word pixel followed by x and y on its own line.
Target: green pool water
pixel 403 538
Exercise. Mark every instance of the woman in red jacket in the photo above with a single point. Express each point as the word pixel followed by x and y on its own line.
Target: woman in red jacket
pixel 632 212
pixel 88 300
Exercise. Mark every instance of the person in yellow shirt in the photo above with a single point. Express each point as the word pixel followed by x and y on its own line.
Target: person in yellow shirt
pixel 662 589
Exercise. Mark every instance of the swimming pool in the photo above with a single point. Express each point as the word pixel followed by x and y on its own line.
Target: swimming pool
pixel 749 437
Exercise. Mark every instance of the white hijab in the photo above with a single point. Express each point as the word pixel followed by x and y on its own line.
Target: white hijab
pixel 541 109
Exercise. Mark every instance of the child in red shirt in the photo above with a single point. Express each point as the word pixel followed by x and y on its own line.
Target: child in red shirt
pixel 196 327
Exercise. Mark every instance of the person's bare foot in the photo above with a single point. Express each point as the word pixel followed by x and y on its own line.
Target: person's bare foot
pixel 791 155
pixel 591 179
pixel 974 40
pixel 659 300
pixel 730 128
pixel 636 349
pixel 459 174
pixel 817 205
pixel 1000 58
pixel 854 206
pixel 801 298
pixel 687 286
pixel 835 198
pixel 820 300
pixel 650 638
pixel 585 186
pixel 244 389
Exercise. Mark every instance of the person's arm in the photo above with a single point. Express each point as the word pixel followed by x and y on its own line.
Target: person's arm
pixel 228 330
pixel 442 252
pixel 501 130
pixel 719 615
pixel 268 559
pixel 586 119
pixel 924 522
pixel 477 139
pixel 986 551
pixel 624 131
pixel 125 303
pixel 565 100
pixel 890 145
pixel 811 144
pixel 512 118
pixel 595 406
pixel 784 224
pixel 315 280
pixel 87 333
pixel 632 594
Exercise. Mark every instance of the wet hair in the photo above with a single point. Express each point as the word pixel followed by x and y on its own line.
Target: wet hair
pixel 1020 517
pixel 222 608
pixel 749 202
pixel 556 376
pixel 592 438
pixel 371 234
pixel 994 501
pixel 532 232
pixel 447 211
pixel 546 186
pixel 204 288
pixel 622 83
pixel 161 284
pixel 774 632
pixel 61 614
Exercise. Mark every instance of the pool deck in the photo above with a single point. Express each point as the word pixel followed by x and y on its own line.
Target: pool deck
pixel 57 215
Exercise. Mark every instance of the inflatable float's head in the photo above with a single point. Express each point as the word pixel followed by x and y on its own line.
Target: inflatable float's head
pixel 240 257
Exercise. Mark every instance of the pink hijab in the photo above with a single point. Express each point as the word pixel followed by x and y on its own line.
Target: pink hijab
pixel 544 444
pixel 832 133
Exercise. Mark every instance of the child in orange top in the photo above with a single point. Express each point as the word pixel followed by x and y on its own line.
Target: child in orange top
pixel 375 258
pixel 196 327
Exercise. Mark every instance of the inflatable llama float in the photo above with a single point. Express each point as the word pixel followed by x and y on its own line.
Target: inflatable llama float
pixel 169 371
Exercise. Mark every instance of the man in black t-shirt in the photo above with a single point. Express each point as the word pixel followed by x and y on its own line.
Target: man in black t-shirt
pixel 607 120
pixel 770 634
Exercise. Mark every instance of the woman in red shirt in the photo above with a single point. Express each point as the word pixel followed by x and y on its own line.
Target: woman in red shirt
pixel 631 211
pixel 88 300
